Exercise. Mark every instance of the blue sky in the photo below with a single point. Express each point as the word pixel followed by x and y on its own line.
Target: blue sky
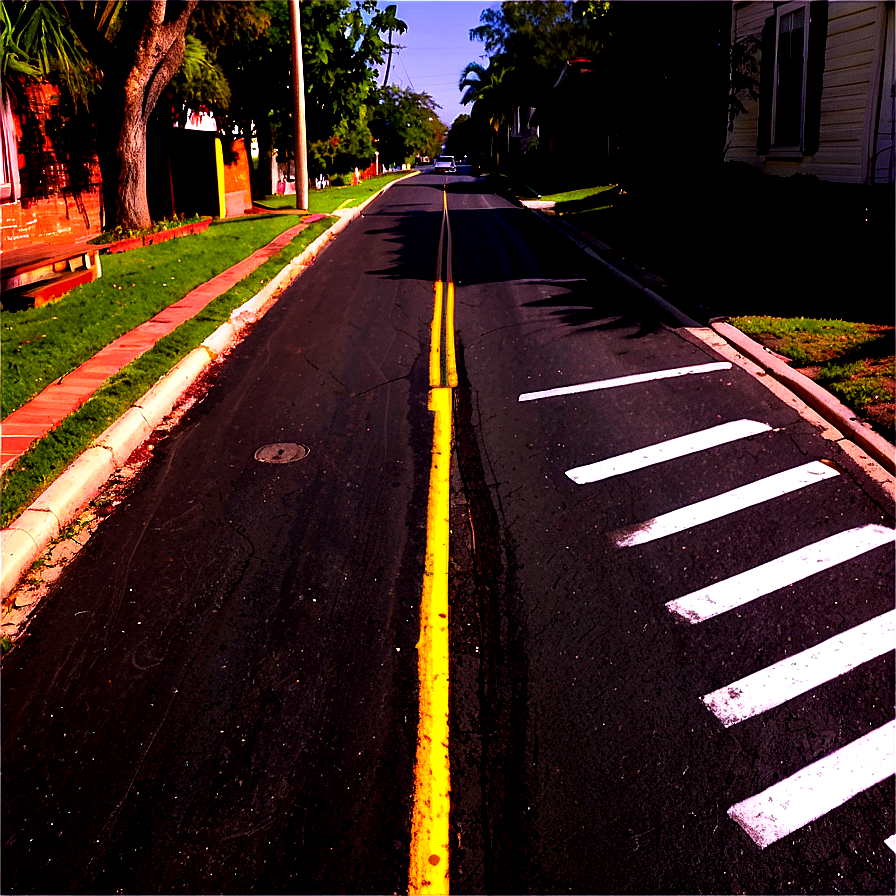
pixel 437 47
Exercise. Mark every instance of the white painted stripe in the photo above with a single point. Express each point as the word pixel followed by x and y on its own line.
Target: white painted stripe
pixel 891 842
pixel 720 597
pixel 818 788
pixel 784 680
pixel 663 451
pixel 727 502
pixel 626 380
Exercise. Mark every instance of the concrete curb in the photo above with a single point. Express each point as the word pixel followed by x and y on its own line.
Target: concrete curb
pixel 33 530
pixel 820 400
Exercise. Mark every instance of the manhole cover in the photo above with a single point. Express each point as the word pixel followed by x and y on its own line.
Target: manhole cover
pixel 281 453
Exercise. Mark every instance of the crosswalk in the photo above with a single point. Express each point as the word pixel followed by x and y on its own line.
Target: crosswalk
pixel 828 783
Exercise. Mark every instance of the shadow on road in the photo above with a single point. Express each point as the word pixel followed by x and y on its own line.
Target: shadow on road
pixel 492 242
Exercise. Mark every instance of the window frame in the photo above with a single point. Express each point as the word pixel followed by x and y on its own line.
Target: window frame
pixel 790 149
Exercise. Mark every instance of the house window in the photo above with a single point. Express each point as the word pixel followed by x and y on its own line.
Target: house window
pixel 791 80
pixel 791 53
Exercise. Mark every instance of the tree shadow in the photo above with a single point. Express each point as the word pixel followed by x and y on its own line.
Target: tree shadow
pixel 496 241
pixel 878 347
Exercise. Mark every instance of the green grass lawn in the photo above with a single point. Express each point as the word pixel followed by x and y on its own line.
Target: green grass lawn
pixel 854 361
pixel 39 345
pixel 333 198
pixel 47 458
pixel 580 195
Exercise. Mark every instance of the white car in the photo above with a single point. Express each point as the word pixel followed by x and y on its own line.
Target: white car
pixel 445 165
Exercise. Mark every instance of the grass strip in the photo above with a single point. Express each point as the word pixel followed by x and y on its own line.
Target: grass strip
pixel 328 200
pixel 39 345
pixel 807 340
pixel 854 361
pixel 47 458
pixel 579 195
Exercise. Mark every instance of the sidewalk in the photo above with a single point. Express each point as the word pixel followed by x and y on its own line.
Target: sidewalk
pixel 35 419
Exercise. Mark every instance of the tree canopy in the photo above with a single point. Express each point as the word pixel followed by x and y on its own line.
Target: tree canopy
pixel 122 59
pixel 641 70
pixel 405 125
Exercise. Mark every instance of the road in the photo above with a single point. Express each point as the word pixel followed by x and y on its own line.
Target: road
pixel 220 693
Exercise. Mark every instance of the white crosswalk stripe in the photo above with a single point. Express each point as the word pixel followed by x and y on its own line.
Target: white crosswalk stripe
pixel 828 783
pixel 720 597
pixel 626 380
pixel 818 788
pixel 798 674
pixel 663 451
pixel 726 503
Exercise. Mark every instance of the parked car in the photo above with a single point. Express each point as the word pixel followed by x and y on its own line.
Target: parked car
pixel 444 164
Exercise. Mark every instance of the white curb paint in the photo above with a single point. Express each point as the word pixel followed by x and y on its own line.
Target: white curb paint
pixel 784 680
pixel 726 503
pixel 720 597
pixel 817 789
pixel 663 451
pixel 627 380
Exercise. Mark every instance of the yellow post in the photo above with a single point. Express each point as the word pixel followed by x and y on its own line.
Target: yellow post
pixel 219 172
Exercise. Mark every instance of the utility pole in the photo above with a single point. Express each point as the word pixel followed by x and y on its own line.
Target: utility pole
pixel 391 47
pixel 298 89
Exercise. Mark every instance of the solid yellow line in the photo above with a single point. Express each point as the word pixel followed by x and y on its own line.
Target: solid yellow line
pixel 429 871
pixel 435 344
pixel 450 359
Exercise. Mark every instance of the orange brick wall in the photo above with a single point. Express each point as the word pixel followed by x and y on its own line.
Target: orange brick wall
pixel 60 217
pixel 55 219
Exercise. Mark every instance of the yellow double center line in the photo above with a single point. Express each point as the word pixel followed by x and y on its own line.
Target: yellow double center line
pixel 429 870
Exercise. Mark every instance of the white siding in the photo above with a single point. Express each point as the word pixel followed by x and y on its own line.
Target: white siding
pixel 851 72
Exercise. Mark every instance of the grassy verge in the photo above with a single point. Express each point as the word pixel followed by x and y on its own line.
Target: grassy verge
pixel 582 200
pixel 854 361
pixel 46 459
pixel 333 198
pixel 39 345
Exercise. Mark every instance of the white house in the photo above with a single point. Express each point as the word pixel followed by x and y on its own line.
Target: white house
pixel 827 95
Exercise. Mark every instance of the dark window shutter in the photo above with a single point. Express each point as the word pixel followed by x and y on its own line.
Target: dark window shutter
pixel 766 86
pixel 818 36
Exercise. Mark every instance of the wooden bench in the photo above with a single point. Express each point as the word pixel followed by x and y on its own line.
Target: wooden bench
pixel 47 278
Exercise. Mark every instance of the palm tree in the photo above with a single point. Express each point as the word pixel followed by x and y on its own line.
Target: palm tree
pixel 36 42
pixel 486 89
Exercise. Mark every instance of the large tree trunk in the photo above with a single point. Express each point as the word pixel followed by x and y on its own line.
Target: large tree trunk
pixel 137 62
pixel 133 205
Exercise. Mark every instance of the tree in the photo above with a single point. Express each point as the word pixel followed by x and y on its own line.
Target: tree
pixel 486 88
pixel 342 42
pixel 642 72
pixel 459 141
pixel 405 125
pixel 37 42
pixel 137 47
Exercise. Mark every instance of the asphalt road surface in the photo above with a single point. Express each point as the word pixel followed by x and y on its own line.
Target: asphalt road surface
pixel 220 693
